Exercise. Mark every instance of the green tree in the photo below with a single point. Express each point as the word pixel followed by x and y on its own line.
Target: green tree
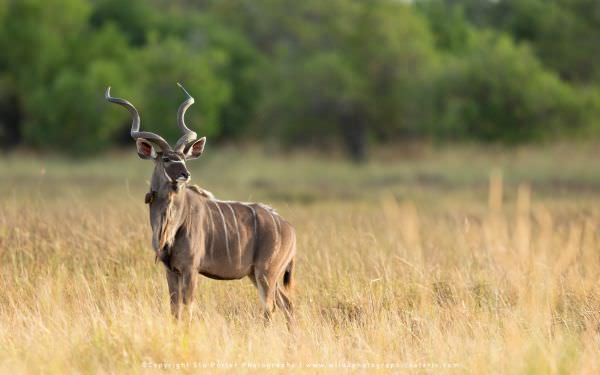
pixel 34 39
pixel 161 65
pixel 500 91
pixel 339 69
pixel 69 116
pixel 564 34
pixel 305 72
pixel 135 18
pixel 203 33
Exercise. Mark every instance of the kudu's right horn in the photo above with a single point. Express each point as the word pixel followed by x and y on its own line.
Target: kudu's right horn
pixel 135 124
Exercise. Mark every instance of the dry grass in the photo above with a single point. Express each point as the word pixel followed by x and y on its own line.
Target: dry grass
pixel 421 261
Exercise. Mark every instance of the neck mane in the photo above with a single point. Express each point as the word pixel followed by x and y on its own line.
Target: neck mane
pixel 167 213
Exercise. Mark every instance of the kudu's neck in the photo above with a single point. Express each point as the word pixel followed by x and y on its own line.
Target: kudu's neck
pixel 168 208
pixel 166 191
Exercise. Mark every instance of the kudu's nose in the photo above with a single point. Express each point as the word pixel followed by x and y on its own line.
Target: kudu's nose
pixel 183 177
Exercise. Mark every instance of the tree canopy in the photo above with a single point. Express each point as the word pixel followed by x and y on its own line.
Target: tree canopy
pixel 315 73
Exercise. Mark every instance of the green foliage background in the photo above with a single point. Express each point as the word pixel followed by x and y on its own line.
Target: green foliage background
pixel 315 73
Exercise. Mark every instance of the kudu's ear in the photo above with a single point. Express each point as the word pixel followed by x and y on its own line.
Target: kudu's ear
pixel 194 149
pixel 145 149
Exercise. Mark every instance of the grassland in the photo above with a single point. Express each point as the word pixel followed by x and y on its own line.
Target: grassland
pixel 480 259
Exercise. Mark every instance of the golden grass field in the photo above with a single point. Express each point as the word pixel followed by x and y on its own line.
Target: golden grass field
pixel 465 259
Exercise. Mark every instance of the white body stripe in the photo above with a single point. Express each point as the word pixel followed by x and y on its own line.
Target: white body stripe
pixel 237 231
pixel 254 219
pixel 250 205
pixel 225 232
pixel 267 208
pixel 212 231
pixel 276 229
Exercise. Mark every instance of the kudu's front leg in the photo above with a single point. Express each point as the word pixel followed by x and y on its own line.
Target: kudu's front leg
pixel 182 286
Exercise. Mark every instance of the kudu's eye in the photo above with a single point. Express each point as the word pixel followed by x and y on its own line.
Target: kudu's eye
pixel 166 159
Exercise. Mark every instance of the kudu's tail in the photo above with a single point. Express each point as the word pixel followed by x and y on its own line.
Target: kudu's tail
pixel 288 276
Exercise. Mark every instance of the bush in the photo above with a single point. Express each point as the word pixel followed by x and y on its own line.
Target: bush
pixel 310 72
pixel 161 65
pixel 499 91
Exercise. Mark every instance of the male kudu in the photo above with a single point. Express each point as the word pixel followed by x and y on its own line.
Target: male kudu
pixel 194 233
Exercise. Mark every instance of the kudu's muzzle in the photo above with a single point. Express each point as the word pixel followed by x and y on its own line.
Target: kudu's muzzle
pixel 177 172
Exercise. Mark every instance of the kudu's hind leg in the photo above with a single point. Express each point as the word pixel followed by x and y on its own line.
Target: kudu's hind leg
pixel 285 304
pixel 283 300
pixel 266 291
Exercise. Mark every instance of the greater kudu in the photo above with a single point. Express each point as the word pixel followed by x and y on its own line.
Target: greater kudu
pixel 194 233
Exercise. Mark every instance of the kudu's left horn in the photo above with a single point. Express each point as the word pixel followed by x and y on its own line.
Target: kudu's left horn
pixel 188 135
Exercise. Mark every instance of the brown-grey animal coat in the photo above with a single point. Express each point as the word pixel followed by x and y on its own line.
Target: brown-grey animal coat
pixel 193 233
